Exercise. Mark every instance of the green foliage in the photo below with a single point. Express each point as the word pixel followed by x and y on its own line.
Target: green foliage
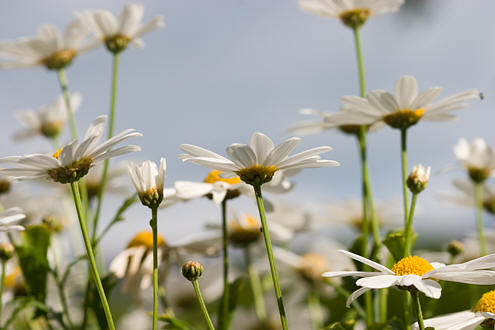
pixel 32 255
pixel 173 323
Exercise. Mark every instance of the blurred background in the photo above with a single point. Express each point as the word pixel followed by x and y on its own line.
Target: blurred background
pixel 221 70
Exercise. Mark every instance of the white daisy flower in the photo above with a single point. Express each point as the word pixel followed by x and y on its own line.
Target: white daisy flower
pixel 483 314
pixel 48 120
pixel 416 272
pixel 327 120
pixel 74 160
pixel 406 107
pixel 477 157
pixel 465 196
pixel 117 33
pixel 256 163
pixel 9 218
pixel 353 13
pixel 49 48
pixel 148 178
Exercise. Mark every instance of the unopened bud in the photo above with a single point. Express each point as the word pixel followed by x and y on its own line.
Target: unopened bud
pixel 418 179
pixel 6 251
pixel 192 270
pixel 454 248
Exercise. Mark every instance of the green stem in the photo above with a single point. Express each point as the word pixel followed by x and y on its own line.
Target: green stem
pixel 417 309
pixel 383 305
pixel 478 198
pixel 357 41
pixel 314 307
pixel 403 148
pixel 407 310
pixel 91 257
pixel 408 233
pixel 203 306
pixel 273 267
pixel 63 299
pixel 256 288
pixel 224 313
pixel 2 279
pixel 111 123
pixel 62 79
pixel 154 227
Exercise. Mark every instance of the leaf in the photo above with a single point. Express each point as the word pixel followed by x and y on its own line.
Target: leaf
pixel 32 254
pixel 173 323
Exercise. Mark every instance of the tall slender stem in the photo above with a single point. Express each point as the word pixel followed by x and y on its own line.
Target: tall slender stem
pixel 417 309
pixel 203 306
pixel 478 199
pixel 403 148
pixel 407 310
pixel 154 227
pixel 224 312
pixel 314 307
pixel 111 123
pixel 63 299
pixel 91 257
pixel 62 79
pixel 271 260
pixel 2 279
pixel 357 41
pixel 257 290
pixel 408 232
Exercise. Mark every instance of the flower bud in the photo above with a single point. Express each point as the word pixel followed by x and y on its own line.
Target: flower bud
pixel 418 179
pixel 6 251
pixel 192 270
pixel 454 248
pixel 4 185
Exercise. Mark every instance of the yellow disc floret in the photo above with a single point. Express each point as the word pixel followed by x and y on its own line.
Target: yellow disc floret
pixel 57 153
pixel 412 266
pixel 214 176
pixel 486 303
pixel 145 238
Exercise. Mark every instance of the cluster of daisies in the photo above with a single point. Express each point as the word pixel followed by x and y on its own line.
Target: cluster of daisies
pixel 295 264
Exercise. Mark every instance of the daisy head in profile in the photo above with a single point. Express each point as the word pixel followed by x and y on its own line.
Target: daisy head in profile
pixel 482 314
pixel 257 162
pixel 47 121
pixel 417 274
pixel 406 106
pixel 118 32
pixel 50 48
pixel 477 157
pixel 72 161
pixel 352 13
pixel 148 179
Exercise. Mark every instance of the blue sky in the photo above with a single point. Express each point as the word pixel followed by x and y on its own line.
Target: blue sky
pixel 221 70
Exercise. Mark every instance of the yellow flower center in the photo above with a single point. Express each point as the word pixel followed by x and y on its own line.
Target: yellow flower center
pixel 486 303
pixel 257 174
pixel 214 176
pixel 57 153
pixel 354 18
pixel 403 118
pixel 312 266
pixel 412 266
pixel 117 43
pixel 145 238
pixel 59 59
pixel 11 278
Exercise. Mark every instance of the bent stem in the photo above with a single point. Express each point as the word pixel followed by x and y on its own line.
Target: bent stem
pixel 273 267
pixel 154 227
pixel 62 80
pixel 408 233
pixel 256 288
pixel 111 122
pixel 417 309
pixel 203 306
pixel 89 251
pixel 478 199
pixel 224 312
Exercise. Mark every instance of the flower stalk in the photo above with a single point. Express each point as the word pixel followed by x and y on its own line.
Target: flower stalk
pixel 273 267
pixel 90 254
pixel 204 310
pixel 62 79
pixel 417 309
pixel 408 231
pixel 224 312
pixel 478 199
pixel 154 227
pixel 256 288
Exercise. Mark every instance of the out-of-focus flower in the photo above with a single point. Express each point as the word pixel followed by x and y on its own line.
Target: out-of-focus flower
pixel 483 314
pixel 477 157
pixel 353 13
pixel 466 195
pixel 49 48
pixel 48 120
pixel 416 272
pixel 256 163
pixel 406 107
pixel 74 160
pixel 119 32
pixel 148 178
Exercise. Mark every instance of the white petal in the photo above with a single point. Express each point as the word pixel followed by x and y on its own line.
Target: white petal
pixel 368 262
pixel 356 294
pixel 242 155
pixel 261 145
pixel 405 91
pixel 378 282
